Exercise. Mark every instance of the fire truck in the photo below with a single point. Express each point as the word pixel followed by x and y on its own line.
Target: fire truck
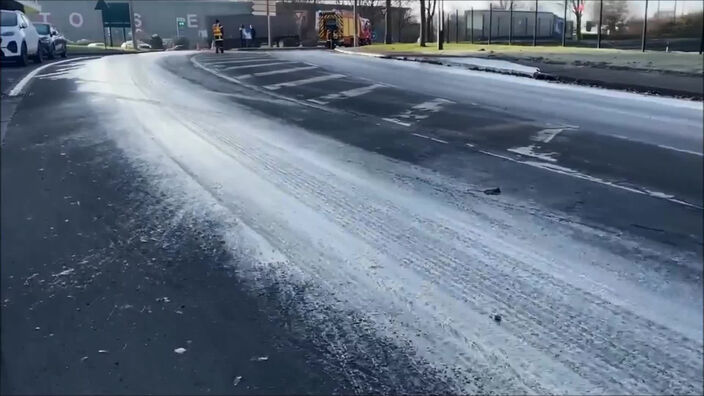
pixel 341 24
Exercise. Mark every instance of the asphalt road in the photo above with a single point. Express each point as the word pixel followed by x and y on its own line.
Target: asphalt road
pixel 311 222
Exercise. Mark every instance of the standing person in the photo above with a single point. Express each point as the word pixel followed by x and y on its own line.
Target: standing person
pixel 243 43
pixel 253 32
pixel 219 37
pixel 247 34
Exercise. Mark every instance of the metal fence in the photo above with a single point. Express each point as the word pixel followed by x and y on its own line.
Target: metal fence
pixel 637 24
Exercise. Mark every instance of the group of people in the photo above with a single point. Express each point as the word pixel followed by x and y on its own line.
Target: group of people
pixel 248 35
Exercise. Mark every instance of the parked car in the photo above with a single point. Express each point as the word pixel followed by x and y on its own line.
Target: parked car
pixel 52 42
pixel 141 44
pixel 18 38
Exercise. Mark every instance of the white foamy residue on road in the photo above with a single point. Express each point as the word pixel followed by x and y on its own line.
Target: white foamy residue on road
pixel 425 269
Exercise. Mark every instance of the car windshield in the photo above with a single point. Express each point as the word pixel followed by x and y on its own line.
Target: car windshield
pixel 8 19
pixel 42 28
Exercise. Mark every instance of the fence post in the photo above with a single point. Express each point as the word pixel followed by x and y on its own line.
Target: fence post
pixel 535 25
pixel 564 25
pixel 491 14
pixel 701 39
pixel 510 24
pixel 598 30
pixel 457 25
pixel 471 25
pixel 645 28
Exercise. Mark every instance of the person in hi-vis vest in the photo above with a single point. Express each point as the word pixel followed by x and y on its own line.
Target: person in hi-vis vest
pixel 219 37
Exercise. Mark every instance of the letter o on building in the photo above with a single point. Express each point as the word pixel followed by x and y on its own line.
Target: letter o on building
pixel 75 19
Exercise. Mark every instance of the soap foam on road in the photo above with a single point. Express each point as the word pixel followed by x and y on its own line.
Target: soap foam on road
pixel 422 268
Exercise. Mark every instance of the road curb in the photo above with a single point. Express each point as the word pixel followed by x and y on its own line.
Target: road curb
pixel 441 63
pixel 491 69
pixel 539 75
pixel 276 49
pixel 370 54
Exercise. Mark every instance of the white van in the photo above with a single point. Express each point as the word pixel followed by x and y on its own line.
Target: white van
pixel 18 38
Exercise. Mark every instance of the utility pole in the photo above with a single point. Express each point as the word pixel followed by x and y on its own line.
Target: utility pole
pixel 564 25
pixel 674 13
pixel 645 28
pixel 356 23
pixel 535 25
pixel 134 28
pixel 598 30
pixel 510 23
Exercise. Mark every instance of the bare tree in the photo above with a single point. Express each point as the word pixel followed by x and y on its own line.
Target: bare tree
pixel 504 4
pixel 430 13
pixel 615 14
pixel 578 11
pixel 423 28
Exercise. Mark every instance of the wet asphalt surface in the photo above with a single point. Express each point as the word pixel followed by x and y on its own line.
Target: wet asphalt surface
pixel 102 282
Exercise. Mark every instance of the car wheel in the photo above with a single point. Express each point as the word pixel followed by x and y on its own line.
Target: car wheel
pixel 39 56
pixel 52 52
pixel 22 59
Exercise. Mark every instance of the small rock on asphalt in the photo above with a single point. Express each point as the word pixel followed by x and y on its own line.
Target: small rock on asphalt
pixel 493 191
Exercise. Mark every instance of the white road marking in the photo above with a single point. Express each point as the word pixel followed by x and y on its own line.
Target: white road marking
pixel 529 151
pixel 469 145
pixel 395 121
pixel 432 105
pixel 17 89
pixel 421 111
pixel 351 93
pixel 280 71
pixel 304 81
pixel 229 62
pixel 225 77
pixel 430 138
pixel 257 65
pixel 54 74
pixel 680 150
pixel 546 135
pixel 570 172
